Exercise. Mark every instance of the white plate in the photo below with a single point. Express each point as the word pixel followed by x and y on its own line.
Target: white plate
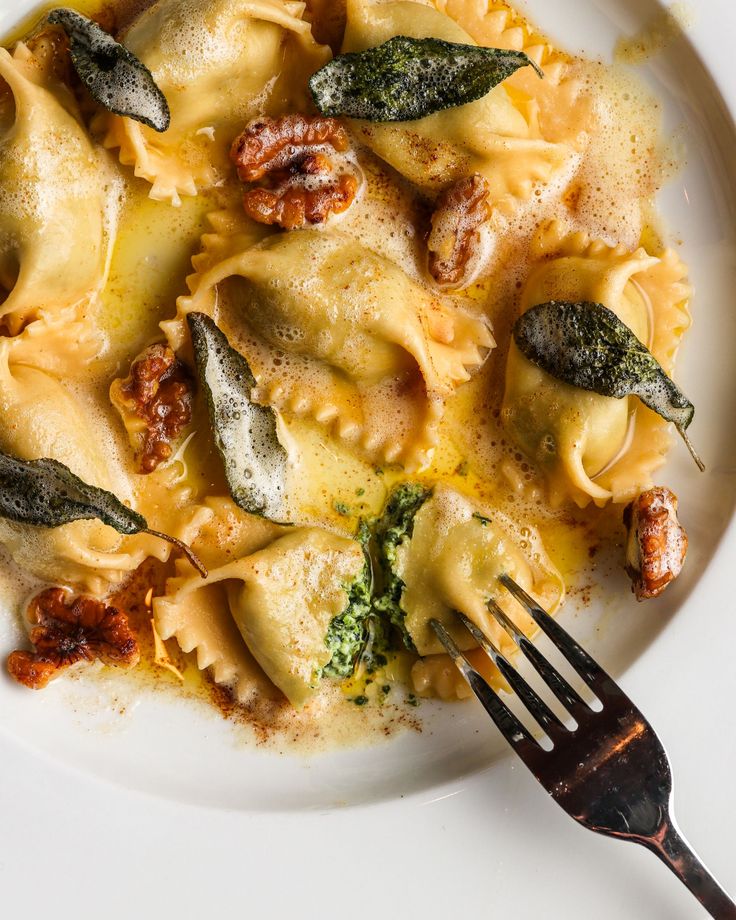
pixel 489 841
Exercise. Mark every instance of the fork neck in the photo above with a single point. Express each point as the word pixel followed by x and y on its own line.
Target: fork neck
pixel 677 854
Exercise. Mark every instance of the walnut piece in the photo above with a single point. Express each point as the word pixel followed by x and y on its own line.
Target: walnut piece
pixel 155 400
pixel 656 544
pixel 455 239
pixel 70 629
pixel 270 145
pixel 302 167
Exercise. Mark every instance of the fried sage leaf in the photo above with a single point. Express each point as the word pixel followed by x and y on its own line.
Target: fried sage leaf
pixel 408 78
pixel 113 75
pixel 586 345
pixel 245 433
pixel 46 493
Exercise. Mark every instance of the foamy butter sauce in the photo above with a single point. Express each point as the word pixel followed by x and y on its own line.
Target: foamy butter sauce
pixel 621 164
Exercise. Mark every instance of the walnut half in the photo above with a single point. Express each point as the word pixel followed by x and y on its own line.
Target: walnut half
pixel 302 166
pixel 656 544
pixel 155 402
pixel 455 242
pixel 70 629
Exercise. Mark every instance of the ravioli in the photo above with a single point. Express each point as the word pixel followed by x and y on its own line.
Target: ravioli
pixel 452 562
pixel 39 418
pixel 591 447
pixel 337 333
pixel 53 189
pixel 282 598
pixel 218 62
pixel 490 137
pixel 290 593
pixel 197 615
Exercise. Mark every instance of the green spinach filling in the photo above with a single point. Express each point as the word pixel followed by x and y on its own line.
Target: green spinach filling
pixel 390 530
pixel 348 632
pixel 369 626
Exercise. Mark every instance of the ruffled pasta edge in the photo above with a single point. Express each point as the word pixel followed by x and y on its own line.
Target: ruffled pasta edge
pixel 493 24
pixel 232 233
pixel 169 174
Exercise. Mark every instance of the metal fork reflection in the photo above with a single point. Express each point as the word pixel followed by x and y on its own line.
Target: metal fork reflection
pixel 610 772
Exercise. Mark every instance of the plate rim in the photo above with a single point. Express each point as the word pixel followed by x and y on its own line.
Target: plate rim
pixel 676 625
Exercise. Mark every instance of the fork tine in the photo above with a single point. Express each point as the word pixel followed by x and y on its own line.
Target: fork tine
pixel 533 702
pixel 510 727
pixel 591 672
pixel 567 695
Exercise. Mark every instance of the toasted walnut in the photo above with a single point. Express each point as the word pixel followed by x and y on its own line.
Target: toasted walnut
pixel 293 207
pixel 269 144
pixel 656 544
pixel 455 239
pixel 70 629
pixel 303 168
pixel 155 401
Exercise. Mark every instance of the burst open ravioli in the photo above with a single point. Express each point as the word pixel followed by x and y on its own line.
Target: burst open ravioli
pixel 416 453
pixel 452 563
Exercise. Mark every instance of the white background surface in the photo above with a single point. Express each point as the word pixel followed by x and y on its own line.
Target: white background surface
pixel 77 847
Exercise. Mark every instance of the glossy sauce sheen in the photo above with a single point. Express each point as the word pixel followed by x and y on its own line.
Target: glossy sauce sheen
pixel 618 160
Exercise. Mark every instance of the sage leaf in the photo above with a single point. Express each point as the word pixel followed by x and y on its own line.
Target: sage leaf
pixel 113 75
pixel 586 345
pixel 45 493
pixel 407 78
pixel 245 433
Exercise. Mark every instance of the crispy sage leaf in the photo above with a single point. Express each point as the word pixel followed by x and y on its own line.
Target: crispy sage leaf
pixel 245 433
pixel 408 78
pixel 113 75
pixel 586 345
pixel 46 493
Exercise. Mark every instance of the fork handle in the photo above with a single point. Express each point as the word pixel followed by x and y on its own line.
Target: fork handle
pixel 677 854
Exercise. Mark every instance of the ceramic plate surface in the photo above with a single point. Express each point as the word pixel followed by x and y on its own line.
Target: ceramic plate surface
pixel 441 822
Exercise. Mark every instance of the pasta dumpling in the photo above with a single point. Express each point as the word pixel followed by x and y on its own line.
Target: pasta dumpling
pixel 289 594
pixel 593 447
pixel 282 597
pixel 215 62
pixel 197 615
pixel 39 418
pixel 337 333
pixel 308 369
pixel 452 562
pixel 490 137
pixel 45 343
pixel 53 185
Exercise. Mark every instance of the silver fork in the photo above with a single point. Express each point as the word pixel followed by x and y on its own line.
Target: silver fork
pixel 610 773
